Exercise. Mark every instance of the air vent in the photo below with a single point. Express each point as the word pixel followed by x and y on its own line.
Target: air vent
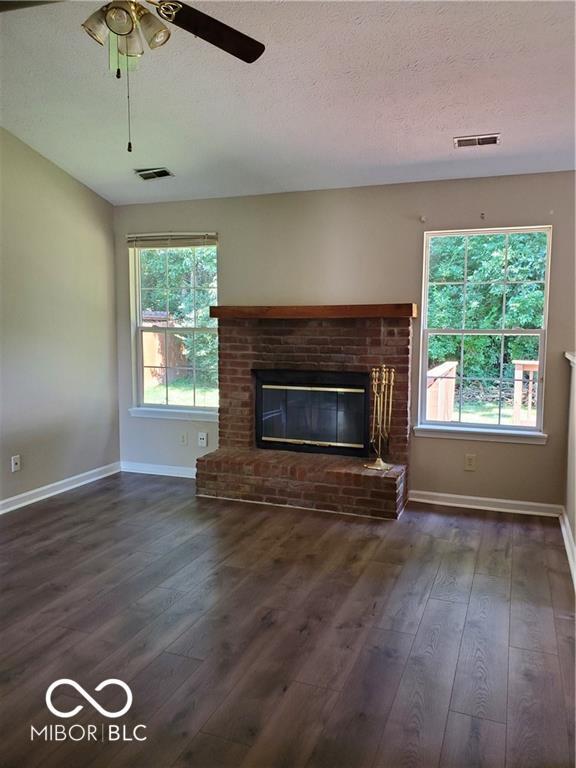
pixel 476 141
pixel 152 173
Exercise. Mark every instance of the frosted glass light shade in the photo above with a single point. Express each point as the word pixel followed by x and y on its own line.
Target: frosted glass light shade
pixel 155 33
pixel 95 26
pixel 119 18
pixel 130 45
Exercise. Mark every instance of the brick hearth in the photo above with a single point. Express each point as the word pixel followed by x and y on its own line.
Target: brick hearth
pixel 239 470
pixel 314 481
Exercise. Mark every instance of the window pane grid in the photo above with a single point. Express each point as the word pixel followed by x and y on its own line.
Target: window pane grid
pixel 493 411
pixel 511 394
pixel 177 349
pixel 511 368
pixel 171 368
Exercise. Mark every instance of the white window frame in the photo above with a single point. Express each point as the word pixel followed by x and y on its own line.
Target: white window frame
pixel 140 409
pixel 464 430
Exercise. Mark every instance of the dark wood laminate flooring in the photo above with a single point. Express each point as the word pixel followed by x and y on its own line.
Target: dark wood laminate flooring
pixel 262 637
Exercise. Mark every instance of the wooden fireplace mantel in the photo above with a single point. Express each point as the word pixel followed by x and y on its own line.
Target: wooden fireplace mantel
pixel 317 311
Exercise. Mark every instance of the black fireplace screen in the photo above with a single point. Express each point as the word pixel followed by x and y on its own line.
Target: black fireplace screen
pixel 318 411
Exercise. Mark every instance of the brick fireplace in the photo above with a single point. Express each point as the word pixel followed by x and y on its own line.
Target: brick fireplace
pixel 351 338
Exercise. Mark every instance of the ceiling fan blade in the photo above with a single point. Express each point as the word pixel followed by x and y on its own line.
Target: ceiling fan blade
pixel 16 5
pixel 216 32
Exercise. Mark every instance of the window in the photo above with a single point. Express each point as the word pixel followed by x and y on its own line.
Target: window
pixel 177 339
pixel 484 328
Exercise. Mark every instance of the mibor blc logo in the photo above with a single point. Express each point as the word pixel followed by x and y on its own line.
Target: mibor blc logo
pixel 88 731
pixel 97 707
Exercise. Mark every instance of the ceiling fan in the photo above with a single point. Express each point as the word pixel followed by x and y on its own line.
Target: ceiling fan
pixel 127 19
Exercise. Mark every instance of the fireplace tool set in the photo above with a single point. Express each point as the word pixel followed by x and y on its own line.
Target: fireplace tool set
pixel 382 384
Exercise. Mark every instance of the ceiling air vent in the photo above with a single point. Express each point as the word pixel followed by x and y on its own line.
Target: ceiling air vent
pixel 483 140
pixel 152 173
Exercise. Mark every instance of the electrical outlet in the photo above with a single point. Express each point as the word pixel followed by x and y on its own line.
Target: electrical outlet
pixel 202 439
pixel 469 462
pixel 184 439
pixel 15 464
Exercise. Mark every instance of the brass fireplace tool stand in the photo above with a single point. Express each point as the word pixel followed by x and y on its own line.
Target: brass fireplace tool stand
pixel 382 380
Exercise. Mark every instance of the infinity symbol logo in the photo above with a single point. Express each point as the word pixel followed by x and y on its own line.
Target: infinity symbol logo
pixel 86 695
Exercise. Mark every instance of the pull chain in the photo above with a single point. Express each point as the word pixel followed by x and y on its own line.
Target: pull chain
pixel 128 100
pixel 118 73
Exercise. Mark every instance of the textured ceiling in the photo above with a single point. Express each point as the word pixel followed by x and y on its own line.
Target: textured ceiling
pixel 346 94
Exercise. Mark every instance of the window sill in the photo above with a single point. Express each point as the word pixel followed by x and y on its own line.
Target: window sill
pixel 182 414
pixel 488 435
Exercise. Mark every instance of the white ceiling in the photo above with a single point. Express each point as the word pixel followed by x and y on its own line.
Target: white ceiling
pixel 346 94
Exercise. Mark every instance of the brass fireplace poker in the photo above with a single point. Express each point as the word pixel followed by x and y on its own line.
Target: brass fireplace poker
pixel 382 380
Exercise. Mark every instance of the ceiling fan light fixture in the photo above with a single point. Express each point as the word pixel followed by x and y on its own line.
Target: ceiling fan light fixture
pixel 131 45
pixel 155 33
pixel 119 18
pixel 95 26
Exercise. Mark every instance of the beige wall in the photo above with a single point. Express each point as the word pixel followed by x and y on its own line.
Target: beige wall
pixel 360 246
pixel 58 378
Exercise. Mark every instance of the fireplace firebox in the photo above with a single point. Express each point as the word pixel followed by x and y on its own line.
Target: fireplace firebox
pixel 314 411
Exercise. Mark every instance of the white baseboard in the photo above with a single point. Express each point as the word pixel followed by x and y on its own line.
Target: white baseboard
pixel 157 469
pixel 30 497
pixel 483 502
pixel 569 544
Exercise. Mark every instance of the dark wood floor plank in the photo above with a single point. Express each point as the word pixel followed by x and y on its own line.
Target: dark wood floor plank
pixel 205 751
pixel 537 530
pixel 209 592
pixel 352 733
pixel 405 606
pixel 34 655
pixel 531 613
pixel 342 611
pixel 278 530
pixel 481 683
pixel 336 552
pixel 399 542
pixel 100 582
pixel 337 608
pixel 473 743
pixel 129 590
pixel 246 710
pixel 536 731
pixel 565 632
pixel 560 580
pixel 219 544
pixel 220 629
pixel 413 734
pixel 161 544
pixel 291 733
pixel 454 578
pixel 178 721
pixel 328 664
pixel 57 611
pixel 366 601
pixel 495 553
pixel 462 527
pixel 19 633
pixel 552 533
pixel 136 653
